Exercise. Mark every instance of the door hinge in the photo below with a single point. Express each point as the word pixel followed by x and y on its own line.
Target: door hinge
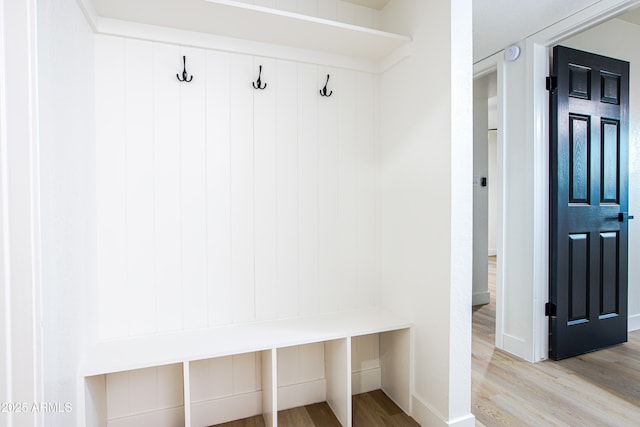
pixel 549 309
pixel 552 83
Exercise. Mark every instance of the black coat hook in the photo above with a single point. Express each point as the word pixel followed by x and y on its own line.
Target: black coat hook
pixel 184 72
pixel 323 91
pixel 258 84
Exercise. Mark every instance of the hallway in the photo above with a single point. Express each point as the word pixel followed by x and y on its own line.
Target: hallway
pixel 596 389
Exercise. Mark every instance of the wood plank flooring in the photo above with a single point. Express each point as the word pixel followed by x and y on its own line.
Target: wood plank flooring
pixel 598 389
pixel 373 409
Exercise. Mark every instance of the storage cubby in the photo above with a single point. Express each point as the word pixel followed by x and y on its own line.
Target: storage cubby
pixel 301 375
pixel 382 361
pixel 314 373
pixel 137 398
pixel 223 389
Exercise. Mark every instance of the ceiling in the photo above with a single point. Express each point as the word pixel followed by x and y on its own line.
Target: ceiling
pixel 500 23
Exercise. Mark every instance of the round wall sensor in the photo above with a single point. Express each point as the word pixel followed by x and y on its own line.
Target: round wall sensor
pixel 512 53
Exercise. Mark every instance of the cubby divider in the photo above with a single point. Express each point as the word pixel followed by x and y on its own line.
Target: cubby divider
pixel 337 355
pixel 270 387
pixel 187 393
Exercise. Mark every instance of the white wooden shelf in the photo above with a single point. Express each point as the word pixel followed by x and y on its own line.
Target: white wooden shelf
pixel 124 361
pixel 255 23
pixel 166 349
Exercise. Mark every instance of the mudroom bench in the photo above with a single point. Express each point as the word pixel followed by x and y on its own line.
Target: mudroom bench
pixel 171 368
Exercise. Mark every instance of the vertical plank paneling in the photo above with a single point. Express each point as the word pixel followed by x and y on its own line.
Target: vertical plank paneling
pixel 167 189
pixel 308 7
pixel 193 192
pixel 365 352
pixel 348 167
pixel 143 386
pixel 211 378
pixel 265 164
pixel 287 185
pixel 221 377
pixel 117 390
pixel 328 9
pixel 242 188
pixel 200 383
pixel 311 363
pixel 365 17
pixel 288 5
pixel 328 298
pixel 246 371
pixel 288 365
pixel 308 188
pixel 111 220
pixel 236 203
pixel 366 190
pixel 348 12
pixel 170 385
pixel 218 190
pixel 140 183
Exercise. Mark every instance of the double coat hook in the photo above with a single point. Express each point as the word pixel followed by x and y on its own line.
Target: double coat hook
pixel 184 72
pixel 258 84
pixel 323 91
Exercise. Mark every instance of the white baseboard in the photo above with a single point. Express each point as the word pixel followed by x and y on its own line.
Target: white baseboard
pixel 366 381
pixel 161 418
pixel 492 252
pixel 295 395
pixel 226 409
pixel 481 298
pixel 466 421
pixel 516 346
pixel 633 323
pixel 426 416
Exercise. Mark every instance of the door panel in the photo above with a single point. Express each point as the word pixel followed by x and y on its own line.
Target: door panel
pixel 579 277
pixel 610 166
pixel 588 178
pixel 609 284
pixel 579 184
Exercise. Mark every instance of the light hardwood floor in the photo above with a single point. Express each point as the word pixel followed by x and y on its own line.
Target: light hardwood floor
pixel 597 389
pixel 373 409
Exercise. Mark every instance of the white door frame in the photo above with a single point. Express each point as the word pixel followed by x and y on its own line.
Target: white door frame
pixel 482 68
pixel 537 55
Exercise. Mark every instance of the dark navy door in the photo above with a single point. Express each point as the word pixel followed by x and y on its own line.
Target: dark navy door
pixel 588 202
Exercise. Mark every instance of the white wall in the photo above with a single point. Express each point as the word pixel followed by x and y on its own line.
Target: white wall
pixel 67 182
pixel 221 204
pixel 426 201
pixel 515 304
pixel 21 378
pixel 616 38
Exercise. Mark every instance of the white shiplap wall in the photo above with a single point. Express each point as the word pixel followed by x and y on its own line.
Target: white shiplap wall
pixel 221 204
